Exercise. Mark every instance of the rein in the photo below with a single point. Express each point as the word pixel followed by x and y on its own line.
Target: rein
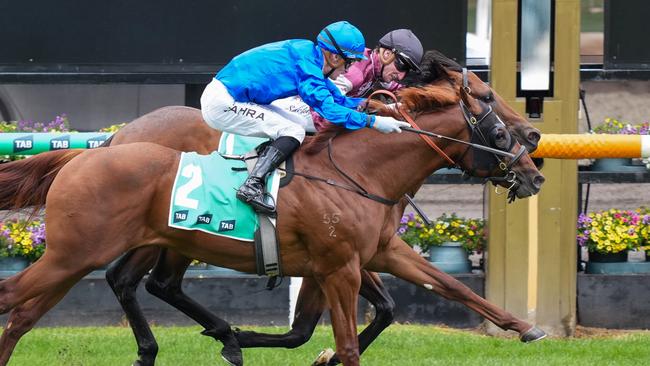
pixel 407 117
pixel 356 187
pixel 509 177
pixel 470 119
pixel 476 146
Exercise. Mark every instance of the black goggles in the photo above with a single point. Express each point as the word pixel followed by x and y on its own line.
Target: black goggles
pixel 403 63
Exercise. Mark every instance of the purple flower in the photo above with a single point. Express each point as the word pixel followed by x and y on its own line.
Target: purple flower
pixel 646 219
pixel 58 124
pixel 38 234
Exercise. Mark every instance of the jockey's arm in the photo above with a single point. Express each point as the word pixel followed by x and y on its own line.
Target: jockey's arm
pixel 340 98
pixel 328 101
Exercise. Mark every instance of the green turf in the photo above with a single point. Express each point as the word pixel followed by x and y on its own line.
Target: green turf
pixel 400 345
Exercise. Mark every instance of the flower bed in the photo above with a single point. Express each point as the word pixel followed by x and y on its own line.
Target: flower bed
pixel 613 230
pixel 22 239
pixel 470 233
pixel 613 126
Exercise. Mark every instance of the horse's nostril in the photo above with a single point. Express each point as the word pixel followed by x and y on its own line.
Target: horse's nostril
pixel 538 181
pixel 533 137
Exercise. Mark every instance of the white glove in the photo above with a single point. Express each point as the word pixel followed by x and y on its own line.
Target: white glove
pixel 388 124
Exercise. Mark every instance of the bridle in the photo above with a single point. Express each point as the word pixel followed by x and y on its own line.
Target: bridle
pixel 510 176
pixel 474 124
pixel 466 87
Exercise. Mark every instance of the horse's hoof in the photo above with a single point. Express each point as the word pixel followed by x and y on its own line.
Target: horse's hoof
pixel 232 356
pixel 323 357
pixel 533 334
pixel 334 361
pixel 146 362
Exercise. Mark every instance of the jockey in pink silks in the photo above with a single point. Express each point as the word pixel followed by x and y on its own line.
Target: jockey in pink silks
pixel 397 53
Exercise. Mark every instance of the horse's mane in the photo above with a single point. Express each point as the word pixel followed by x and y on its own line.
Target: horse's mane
pixel 426 99
pixel 418 100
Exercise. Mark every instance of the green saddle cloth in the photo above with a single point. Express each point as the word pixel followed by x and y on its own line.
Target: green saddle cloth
pixel 203 195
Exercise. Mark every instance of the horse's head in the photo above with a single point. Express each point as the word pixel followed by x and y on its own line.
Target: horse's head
pixel 519 127
pixel 504 162
pixel 438 68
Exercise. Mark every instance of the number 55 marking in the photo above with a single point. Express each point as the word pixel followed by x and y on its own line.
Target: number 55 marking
pixel 331 220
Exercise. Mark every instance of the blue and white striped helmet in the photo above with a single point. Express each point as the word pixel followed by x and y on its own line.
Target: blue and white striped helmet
pixel 344 39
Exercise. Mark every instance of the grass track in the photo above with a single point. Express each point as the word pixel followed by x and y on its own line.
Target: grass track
pixel 411 345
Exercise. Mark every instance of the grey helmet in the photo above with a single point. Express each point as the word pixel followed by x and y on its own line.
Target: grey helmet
pixel 406 46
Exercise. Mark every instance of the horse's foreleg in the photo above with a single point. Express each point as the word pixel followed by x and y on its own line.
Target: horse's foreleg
pixel 341 288
pixel 373 290
pixel 124 277
pixel 22 319
pixel 400 260
pixel 165 283
pixel 309 308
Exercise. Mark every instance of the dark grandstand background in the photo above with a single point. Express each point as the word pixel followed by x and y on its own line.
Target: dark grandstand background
pixel 169 36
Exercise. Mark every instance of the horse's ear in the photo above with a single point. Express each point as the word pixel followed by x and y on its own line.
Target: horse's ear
pixel 440 71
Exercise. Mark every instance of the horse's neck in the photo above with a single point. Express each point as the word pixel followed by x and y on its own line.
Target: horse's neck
pixel 389 165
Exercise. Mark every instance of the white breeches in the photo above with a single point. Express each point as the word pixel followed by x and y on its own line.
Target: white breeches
pixel 284 117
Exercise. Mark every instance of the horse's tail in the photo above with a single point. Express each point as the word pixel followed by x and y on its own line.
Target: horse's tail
pixel 25 183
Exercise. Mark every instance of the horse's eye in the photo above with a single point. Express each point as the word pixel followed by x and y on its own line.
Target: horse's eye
pixel 488 98
pixel 501 140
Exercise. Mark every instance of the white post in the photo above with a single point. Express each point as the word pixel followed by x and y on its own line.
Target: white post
pixel 294 289
pixel 483 18
pixel 478 43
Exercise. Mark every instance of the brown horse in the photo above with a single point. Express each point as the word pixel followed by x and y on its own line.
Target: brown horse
pixel 302 248
pixel 183 129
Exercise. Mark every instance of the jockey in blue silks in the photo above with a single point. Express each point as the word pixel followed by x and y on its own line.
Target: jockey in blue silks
pixel 238 100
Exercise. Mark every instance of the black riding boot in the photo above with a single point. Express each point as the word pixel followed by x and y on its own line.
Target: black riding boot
pixel 253 190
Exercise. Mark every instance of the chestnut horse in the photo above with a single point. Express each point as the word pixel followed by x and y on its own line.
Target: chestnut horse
pixel 139 184
pixel 183 129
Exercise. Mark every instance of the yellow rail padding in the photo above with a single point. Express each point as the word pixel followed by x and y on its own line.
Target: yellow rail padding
pixel 592 146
